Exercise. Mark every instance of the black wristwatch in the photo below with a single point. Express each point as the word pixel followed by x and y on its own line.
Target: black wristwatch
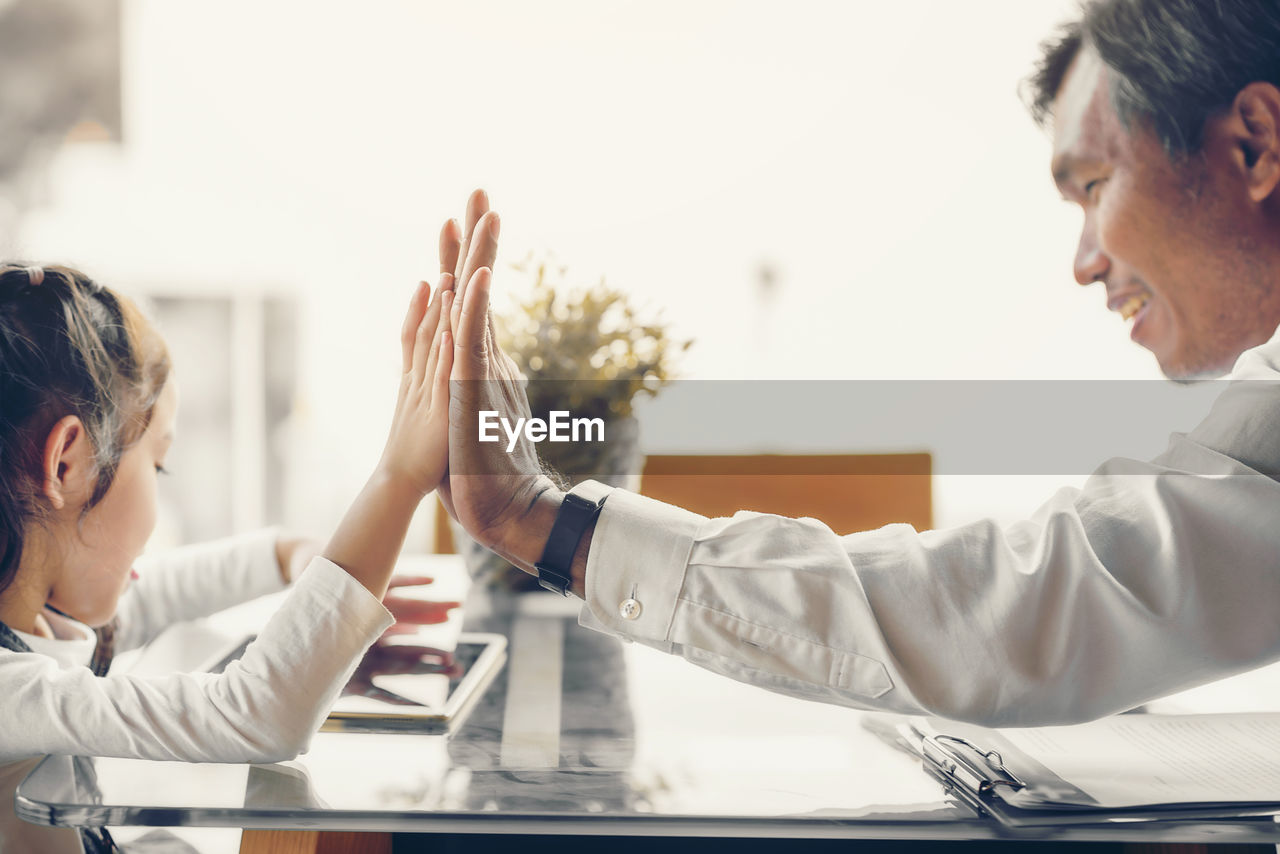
pixel 580 508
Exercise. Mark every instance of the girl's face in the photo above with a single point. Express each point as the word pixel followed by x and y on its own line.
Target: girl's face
pixel 98 558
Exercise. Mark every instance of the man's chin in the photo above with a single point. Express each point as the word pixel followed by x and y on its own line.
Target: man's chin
pixel 1182 371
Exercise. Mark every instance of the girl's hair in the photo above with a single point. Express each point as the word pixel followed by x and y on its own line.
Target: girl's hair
pixel 68 346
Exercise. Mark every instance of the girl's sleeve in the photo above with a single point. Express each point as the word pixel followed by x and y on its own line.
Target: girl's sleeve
pixel 195 581
pixel 263 708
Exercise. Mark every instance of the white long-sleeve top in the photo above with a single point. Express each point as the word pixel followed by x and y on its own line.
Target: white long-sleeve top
pixel 1153 577
pixel 263 708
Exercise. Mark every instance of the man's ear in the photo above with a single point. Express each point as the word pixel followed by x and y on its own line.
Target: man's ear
pixel 1254 122
pixel 68 464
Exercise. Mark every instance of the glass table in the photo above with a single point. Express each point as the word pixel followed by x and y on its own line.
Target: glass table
pixel 579 734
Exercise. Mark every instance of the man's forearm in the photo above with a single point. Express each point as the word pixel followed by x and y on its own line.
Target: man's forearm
pixel 524 539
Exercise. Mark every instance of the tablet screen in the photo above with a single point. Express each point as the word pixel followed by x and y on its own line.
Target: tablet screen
pixel 402 687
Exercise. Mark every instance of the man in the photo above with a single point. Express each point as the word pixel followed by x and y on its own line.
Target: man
pixel 1153 577
pixel 1161 136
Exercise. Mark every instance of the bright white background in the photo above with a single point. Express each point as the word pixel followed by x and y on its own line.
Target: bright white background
pixel 875 156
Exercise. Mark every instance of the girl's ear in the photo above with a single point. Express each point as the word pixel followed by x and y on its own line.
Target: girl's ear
pixel 68 464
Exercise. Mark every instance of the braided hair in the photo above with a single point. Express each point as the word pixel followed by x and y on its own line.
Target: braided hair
pixel 68 346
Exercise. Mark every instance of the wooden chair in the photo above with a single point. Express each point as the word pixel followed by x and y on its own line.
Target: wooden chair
pixel 849 492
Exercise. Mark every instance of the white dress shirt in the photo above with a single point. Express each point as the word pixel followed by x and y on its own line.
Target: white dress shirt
pixel 1153 577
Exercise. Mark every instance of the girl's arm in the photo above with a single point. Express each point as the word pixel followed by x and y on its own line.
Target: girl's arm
pixel 263 708
pixel 197 580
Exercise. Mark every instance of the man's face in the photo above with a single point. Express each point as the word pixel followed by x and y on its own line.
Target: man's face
pixel 1164 238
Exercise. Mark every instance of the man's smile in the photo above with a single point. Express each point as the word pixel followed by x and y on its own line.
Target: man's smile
pixel 1132 304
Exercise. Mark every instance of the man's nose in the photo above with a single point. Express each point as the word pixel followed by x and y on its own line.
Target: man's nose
pixel 1091 263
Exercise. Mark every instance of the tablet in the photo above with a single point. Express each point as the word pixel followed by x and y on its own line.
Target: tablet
pixel 396 688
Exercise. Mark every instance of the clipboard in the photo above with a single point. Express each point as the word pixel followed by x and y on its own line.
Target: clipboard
pixel 980 777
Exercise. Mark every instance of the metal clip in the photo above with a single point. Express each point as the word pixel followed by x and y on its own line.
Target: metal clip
pixel 980 779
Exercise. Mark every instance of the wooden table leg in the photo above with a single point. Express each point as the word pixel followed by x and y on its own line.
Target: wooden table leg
pixel 314 842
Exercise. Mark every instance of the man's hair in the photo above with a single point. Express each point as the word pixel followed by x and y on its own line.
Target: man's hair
pixel 1172 63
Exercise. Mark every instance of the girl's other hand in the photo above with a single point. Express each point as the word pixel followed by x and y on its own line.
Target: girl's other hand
pixel 293 553
pixel 410 611
pixel 417 450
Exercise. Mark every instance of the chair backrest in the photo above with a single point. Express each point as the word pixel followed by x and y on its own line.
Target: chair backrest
pixel 444 534
pixel 849 492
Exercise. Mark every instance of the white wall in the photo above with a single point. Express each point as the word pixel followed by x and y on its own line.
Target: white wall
pixel 875 154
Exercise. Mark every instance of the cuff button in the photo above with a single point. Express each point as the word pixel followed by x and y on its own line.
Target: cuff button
pixel 630 609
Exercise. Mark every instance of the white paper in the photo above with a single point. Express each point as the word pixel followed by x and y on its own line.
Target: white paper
pixel 1135 760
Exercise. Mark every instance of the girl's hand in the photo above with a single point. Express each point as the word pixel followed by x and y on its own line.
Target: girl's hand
pixel 293 553
pixel 417 450
pixel 457 257
pixel 411 612
pixel 370 536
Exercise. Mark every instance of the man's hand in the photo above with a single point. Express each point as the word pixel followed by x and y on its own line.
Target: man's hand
pixel 502 499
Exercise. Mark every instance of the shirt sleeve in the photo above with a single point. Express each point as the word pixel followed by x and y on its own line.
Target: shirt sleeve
pixel 263 708
pixel 1154 577
pixel 195 581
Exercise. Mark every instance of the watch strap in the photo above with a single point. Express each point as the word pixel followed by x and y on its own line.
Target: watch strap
pixel 579 509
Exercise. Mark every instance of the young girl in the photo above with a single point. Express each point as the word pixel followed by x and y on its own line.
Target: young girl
pixel 87 406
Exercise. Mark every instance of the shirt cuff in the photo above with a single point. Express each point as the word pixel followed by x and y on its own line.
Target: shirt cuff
pixel 365 612
pixel 636 566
